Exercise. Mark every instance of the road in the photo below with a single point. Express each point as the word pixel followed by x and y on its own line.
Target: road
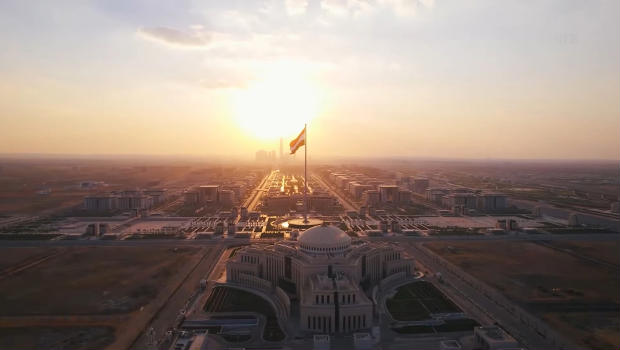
pixel 599 237
pixel 524 237
pixel 257 193
pixel 519 324
pixel 166 206
pixel 169 307
pixel 161 313
pixel 346 203
pixel 195 310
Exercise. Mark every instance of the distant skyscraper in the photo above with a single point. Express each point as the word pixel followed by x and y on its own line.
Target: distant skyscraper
pixel 261 156
pixel 265 156
pixel 281 152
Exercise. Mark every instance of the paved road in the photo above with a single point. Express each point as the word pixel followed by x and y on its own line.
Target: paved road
pixel 525 238
pixel 181 292
pixel 503 313
pixel 598 237
pixel 169 308
pixel 346 203
pixel 195 310
pixel 113 243
pixel 254 199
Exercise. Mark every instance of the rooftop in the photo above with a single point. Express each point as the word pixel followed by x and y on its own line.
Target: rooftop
pixel 324 239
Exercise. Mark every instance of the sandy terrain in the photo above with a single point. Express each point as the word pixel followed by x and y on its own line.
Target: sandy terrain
pixel 56 337
pixel 16 255
pixel 87 297
pixel 576 295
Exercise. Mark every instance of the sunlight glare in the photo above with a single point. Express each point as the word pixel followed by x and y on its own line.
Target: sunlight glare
pixel 278 105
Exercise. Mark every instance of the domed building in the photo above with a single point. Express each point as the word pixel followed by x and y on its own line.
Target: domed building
pixel 325 272
pixel 324 239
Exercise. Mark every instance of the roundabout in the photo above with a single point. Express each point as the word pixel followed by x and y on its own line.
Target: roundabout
pixel 301 225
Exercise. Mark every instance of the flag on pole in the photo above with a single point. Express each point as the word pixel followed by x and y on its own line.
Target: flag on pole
pixel 298 141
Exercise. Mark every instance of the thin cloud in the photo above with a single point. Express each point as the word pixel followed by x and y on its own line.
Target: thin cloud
pixel 296 7
pixel 335 7
pixel 230 83
pixel 358 8
pixel 406 8
pixel 175 37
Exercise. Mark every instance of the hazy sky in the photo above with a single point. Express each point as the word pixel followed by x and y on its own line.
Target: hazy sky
pixel 443 78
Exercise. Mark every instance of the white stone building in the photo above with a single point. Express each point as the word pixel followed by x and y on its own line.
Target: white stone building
pixel 325 272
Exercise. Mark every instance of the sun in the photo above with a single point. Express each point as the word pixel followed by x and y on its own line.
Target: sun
pixel 276 106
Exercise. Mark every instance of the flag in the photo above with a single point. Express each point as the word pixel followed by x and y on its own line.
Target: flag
pixel 298 141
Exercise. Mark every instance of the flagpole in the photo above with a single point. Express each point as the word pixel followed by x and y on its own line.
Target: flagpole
pixel 306 174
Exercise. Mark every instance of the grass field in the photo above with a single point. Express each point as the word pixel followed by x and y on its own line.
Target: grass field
pixel 417 301
pixel 223 299
pixel 577 295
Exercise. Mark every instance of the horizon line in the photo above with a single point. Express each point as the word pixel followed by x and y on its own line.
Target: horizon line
pixel 236 157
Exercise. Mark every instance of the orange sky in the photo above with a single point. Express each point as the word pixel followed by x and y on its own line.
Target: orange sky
pixel 420 78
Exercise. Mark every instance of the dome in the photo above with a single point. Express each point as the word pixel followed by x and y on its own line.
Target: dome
pixel 324 239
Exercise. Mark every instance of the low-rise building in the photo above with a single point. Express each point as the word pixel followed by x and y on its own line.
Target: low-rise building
pixel 404 196
pixel 489 202
pixel 372 198
pixel 388 193
pixel 191 197
pixel 420 185
pixel 209 193
pixel 100 203
pixel 493 338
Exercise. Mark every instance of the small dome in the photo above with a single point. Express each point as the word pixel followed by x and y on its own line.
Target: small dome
pixel 324 239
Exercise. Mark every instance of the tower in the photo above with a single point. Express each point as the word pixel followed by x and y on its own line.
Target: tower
pixel 281 152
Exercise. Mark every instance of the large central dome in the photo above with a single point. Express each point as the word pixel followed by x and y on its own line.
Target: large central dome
pixel 324 239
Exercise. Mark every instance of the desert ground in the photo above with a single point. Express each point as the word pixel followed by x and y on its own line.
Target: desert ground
pixel 574 286
pixel 86 297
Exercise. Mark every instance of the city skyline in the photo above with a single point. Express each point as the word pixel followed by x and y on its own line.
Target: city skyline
pixel 310 174
pixel 434 79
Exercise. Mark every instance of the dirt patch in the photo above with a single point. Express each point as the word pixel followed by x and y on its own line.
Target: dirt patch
pixel 604 251
pixel 92 280
pixel 11 256
pixel 57 338
pixel 568 291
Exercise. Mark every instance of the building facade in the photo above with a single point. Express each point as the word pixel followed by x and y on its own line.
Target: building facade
pixel 327 273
